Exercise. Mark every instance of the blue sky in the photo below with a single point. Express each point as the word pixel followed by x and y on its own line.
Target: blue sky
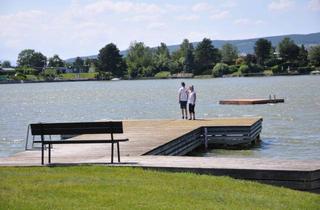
pixel 82 27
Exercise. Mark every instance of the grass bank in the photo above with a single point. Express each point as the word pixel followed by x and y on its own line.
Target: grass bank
pixel 77 76
pixel 100 187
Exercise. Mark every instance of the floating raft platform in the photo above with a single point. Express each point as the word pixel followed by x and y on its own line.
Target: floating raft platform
pixel 251 101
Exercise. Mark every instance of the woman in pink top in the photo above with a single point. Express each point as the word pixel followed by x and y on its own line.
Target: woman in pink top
pixel 192 97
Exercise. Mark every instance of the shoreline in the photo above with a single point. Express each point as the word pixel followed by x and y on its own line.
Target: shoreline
pixel 146 78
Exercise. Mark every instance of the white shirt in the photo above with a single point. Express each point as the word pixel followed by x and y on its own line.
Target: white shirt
pixel 192 98
pixel 183 94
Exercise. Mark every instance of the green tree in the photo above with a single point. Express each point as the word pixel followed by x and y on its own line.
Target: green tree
pixel 206 56
pixel 314 55
pixel 249 59
pixel 220 69
pixel 110 60
pixel 55 61
pixel 229 53
pixel 288 50
pixel 30 58
pixel 262 50
pixel 161 59
pixel 303 56
pixel 184 56
pixel 139 60
pixel 78 64
pixel 6 64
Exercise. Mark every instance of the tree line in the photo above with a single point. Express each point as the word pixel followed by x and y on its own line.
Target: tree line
pixel 200 59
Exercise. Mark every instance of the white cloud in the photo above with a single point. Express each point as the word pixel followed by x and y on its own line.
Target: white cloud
pixel 220 15
pixel 188 17
pixel 201 7
pixel 175 8
pixel 156 25
pixel 196 35
pixel 246 21
pixel 122 7
pixel 229 4
pixel 278 5
pixel 314 5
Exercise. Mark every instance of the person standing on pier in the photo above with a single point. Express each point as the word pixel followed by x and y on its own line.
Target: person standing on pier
pixel 183 98
pixel 192 97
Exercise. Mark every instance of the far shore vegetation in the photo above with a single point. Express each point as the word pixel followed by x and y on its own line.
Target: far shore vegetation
pixel 103 187
pixel 141 61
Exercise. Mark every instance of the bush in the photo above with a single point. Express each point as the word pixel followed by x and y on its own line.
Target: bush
pixel 240 61
pixel 50 73
pixel 162 75
pixel 305 70
pixel 220 69
pixel 272 62
pixel 244 69
pixel 31 77
pixel 276 69
pixel 233 69
pixel 268 72
pixel 3 77
pixel 254 68
pixel 19 76
pixel 104 75
pixel 26 70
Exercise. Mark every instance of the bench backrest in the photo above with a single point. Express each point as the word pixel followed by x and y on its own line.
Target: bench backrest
pixel 76 128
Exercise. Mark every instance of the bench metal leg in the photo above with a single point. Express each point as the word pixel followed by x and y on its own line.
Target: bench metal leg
pixel 118 149
pixel 112 152
pixel 49 154
pixel 42 153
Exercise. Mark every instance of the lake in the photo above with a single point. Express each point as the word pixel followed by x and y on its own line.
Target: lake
pixel 290 130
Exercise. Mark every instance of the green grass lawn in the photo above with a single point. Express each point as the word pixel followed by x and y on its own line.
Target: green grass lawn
pixel 75 75
pixel 101 187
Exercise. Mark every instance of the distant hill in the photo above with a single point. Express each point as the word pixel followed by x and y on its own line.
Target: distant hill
pixel 244 46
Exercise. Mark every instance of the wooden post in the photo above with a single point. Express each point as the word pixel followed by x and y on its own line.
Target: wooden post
pixel 27 138
pixel 118 149
pixel 42 150
pixel 111 147
pixel 49 154
pixel 206 138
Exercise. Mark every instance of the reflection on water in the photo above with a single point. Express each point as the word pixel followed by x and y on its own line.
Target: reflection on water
pixel 290 130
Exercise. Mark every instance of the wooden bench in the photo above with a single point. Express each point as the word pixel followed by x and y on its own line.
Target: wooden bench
pixel 77 128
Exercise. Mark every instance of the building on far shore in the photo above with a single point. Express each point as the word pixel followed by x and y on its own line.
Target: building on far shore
pixel 7 69
pixel 182 75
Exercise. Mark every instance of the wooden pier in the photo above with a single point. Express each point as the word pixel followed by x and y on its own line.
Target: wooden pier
pixel 161 144
pixel 251 101
pixel 159 137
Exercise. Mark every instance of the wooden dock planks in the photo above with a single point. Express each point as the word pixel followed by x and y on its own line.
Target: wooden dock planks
pixel 144 136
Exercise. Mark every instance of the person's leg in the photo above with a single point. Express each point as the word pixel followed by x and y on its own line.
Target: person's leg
pixel 186 112
pixel 190 111
pixel 181 107
pixel 184 109
pixel 194 114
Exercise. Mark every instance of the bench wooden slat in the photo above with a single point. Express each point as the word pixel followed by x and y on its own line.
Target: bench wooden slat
pixel 80 141
pixel 76 128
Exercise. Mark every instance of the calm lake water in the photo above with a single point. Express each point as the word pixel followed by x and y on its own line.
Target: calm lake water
pixel 290 130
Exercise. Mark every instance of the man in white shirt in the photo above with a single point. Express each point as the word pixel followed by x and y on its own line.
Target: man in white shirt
pixel 192 102
pixel 183 98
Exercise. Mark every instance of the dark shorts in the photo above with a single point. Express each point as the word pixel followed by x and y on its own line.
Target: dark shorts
pixel 183 104
pixel 191 108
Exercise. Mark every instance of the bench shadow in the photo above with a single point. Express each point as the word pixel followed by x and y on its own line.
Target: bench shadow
pixel 91 164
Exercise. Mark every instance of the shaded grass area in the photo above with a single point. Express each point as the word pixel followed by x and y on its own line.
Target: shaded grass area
pixel 101 187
